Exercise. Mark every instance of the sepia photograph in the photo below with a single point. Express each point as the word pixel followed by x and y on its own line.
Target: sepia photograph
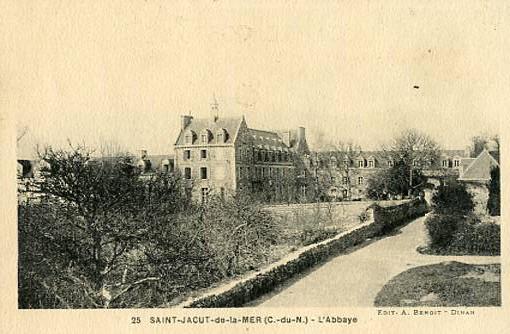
pixel 258 157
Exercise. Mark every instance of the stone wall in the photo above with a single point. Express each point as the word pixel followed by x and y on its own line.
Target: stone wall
pixel 238 293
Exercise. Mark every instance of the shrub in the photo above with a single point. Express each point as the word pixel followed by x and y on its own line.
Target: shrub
pixel 452 198
pixel 441 229
pixel 312 235
pixel 460 235
pixel 476 238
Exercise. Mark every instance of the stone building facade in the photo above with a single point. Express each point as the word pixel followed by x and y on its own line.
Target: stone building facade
pixel 336 175
pixel 220 156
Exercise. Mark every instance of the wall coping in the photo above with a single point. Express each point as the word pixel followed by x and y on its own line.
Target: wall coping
pixel 282 262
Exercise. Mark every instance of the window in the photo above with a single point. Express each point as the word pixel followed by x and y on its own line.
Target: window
pixel 187 155
pixel 456 163
pixel 273 157
pixel 205 140
pixel 371 163
pixel 222 193
pixel 345 180
pixel 361 163
pixel 204 193
pixel 188 139
pixel 203 154
pixel 187 173
pixel 259 156
pixel 333 179
pixel 203 173
pixel 344 193
pixel 445 163
pixel 390 163
pixel 360 180
pixel 219 138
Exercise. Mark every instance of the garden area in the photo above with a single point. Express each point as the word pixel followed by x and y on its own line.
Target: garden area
pixel 444 284
pixel 99 236
pixel 455 229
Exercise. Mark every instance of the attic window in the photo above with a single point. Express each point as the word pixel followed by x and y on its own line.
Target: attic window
pixel 221 136
pixel 205 136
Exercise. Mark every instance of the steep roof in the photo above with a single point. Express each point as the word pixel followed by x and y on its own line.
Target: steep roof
pixel 268 140
pixel 230 124
pixel 480 168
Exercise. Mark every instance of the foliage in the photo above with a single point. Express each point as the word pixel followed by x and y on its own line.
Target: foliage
pixel 394 181
pixel 454 234
pixel 239 233
pixel 441 229
pixel 104 235
pixel 88 227
pixel 494 202
pixel 411 152
pixel 452 198
pixel 311 235
pixel 483 141
pixel 444 284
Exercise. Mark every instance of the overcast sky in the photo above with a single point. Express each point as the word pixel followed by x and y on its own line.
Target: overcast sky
pixel 125 74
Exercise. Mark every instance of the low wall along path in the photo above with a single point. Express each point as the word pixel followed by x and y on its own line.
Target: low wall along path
pixel 237 293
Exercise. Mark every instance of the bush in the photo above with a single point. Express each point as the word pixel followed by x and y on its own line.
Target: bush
pixel 477 238
pixel 458 235
pixel 312 235
pixel 441 229
pixel 452 198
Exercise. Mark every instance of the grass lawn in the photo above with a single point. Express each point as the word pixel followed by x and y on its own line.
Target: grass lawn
pixel 444 284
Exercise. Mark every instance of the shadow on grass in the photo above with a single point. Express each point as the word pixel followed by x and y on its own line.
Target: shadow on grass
pixel 443 284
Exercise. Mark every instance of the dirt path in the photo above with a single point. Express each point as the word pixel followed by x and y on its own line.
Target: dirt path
pixel 355 279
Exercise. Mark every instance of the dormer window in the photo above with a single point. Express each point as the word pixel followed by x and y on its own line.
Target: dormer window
pixel 445 163
pixel 189 137
pixel 390 163
pixel 371 162
pixel 456 162
pixel 205 136
pixel 361 163
pixel 221 136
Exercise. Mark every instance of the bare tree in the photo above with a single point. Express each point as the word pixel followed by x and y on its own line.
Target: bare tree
pixel 414 150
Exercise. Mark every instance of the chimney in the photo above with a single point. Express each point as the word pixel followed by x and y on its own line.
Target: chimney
pixel 300 134
pixel 185 121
